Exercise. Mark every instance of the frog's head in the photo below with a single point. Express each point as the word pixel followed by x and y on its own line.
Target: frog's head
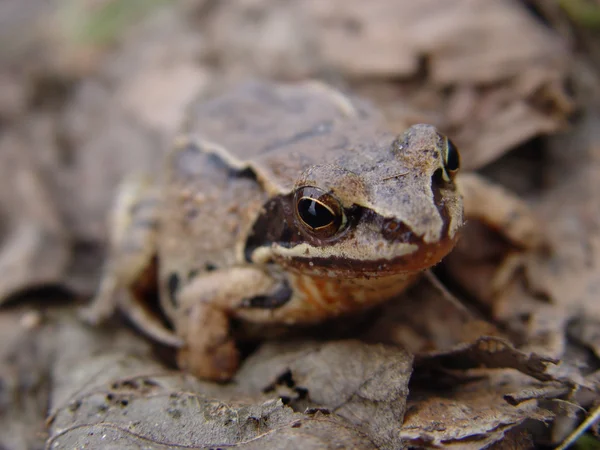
pixel 375 210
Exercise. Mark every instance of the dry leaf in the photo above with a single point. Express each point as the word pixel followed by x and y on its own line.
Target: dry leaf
pixel 33 240
pixel 491 352
pixel 365 384
pixel 120 396
pixel 24 383
pixel 473 417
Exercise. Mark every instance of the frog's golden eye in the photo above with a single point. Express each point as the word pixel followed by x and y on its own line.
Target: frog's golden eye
pixel 451 159
pixel 320 213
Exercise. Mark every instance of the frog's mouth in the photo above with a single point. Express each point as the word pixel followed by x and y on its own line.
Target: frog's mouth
pixel 423 257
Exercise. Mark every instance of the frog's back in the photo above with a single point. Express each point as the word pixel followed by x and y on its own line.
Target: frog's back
pixel 278 130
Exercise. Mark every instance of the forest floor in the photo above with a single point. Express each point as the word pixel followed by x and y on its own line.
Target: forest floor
pixel 93 90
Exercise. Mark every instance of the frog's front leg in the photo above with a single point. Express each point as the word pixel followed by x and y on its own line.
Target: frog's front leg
pixel 506 213
pixel 499 209
pixel 203 317
pixel 130 269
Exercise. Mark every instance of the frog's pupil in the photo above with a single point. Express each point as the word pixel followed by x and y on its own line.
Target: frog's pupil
pixel 314 214
pixel 452 158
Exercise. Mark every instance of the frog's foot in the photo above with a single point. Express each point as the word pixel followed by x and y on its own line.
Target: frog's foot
pixel 104 303
pixel 508 215
pixel 210 351
pixel 501 210
pixel 203 323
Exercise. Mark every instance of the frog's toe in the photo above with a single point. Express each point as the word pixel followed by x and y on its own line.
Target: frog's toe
pixel 218 363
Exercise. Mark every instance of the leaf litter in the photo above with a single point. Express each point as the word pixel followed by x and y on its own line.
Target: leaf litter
pixel 514 368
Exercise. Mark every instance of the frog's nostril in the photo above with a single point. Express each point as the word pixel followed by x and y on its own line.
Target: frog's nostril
pixel 395 230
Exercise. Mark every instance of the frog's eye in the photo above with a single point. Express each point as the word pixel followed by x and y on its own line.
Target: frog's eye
pixel 320 213
pixel 451 159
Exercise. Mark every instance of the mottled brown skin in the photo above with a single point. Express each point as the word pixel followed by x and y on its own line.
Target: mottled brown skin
pixel 228 237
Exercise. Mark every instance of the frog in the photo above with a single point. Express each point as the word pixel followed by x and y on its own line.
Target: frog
pixel 283 204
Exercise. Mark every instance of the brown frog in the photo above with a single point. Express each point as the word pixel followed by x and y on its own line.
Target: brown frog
pixel 281 204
